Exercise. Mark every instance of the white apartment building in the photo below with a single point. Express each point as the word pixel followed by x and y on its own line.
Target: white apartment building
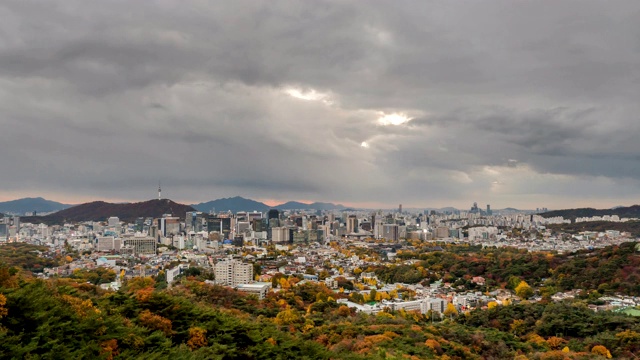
pixel 233 272
pixel 422 305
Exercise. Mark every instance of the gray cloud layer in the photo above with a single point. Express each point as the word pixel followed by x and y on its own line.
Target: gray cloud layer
pixel 529 103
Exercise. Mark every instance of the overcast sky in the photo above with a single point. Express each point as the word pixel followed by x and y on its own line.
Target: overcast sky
pixel 368 103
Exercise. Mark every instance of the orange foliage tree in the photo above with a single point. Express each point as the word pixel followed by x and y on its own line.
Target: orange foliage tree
pixel 156 322
pixel 197 338
pixel 601 350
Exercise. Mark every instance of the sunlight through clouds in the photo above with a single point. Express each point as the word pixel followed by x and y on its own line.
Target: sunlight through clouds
pixel 393 119
pixel 310 95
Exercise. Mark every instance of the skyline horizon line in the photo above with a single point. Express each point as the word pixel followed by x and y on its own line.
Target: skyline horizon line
pixel 277 202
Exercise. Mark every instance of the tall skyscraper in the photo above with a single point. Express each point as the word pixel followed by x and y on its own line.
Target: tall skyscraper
pixel 352 224
pixel 273 218
pixel 400 209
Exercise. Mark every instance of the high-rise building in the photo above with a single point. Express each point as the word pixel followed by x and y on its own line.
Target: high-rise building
pixel 16 223
pixel 273 220
pixel 352 224
pixel 489 210
pixel 390 232
pixel 400 208
pixel 280 235
pixel 233 272
pixel 195 221
pixel 442 232
pixel 273 214
pixel 113 221
pixel 254 215
pixel 474 208
pixel 168 225
pixel 4 232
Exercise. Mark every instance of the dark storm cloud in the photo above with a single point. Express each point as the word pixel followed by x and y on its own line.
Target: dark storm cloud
pixel 282 99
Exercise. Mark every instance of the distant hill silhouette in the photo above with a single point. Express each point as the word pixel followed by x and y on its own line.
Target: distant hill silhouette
pixel 632 227
pixel 296 205
pixel 238 203
pixel 101 211
pixel 233 204
pixel 39 205
pixel 628 212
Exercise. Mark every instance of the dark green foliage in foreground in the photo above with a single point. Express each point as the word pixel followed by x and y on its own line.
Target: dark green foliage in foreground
pixel 64 319
pixel 46 321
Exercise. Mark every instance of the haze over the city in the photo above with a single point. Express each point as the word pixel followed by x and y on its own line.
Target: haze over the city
pixel 368 104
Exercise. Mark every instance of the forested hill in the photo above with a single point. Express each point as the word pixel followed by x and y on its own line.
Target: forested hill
pixel 609 270
pixel 632 227
pixel 101 211
pixel 623 212
pixel 70 318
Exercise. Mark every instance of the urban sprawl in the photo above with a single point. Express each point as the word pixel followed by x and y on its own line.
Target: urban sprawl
pixel 253 251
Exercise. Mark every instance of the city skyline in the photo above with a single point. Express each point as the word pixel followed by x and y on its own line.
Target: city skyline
pixel 274 203
pixel 428 104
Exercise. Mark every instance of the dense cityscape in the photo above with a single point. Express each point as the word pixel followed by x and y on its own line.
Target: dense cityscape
pixel 370 262
pixel 325 179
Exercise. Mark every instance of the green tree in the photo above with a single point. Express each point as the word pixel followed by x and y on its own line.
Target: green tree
pixel 373 294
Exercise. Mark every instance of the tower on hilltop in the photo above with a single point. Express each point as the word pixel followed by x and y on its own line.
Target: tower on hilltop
pixel 159 191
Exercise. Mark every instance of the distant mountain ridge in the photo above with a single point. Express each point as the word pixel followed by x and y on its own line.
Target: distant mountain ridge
pixel 233 204
pixel 623 212
pixel 38 204
pixel 101 211
pixel 296 205
pixel 238 203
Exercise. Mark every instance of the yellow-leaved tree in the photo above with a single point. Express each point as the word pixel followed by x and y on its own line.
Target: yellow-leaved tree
pixel 450 310
pixel 601 350
pixel 523 290
pixel 3 302
pixel 287 317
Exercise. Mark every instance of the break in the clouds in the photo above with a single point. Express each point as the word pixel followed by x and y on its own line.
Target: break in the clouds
pixel 425 103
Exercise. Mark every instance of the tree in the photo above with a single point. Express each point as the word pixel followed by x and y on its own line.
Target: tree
pixel 450 310
pixel 344 311
pixel 323 275
pixel 602 351
pixel 518 327
pixel 287 317
pixel 513 282
pixel 197 338
pixel 3 302
pixel 257 269
pixel 372 295
pixel 156 322
pixel 555 342
pixel 523 290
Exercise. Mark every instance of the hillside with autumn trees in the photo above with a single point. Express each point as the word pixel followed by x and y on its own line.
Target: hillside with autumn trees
pixel 73 318
pixel 613 269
